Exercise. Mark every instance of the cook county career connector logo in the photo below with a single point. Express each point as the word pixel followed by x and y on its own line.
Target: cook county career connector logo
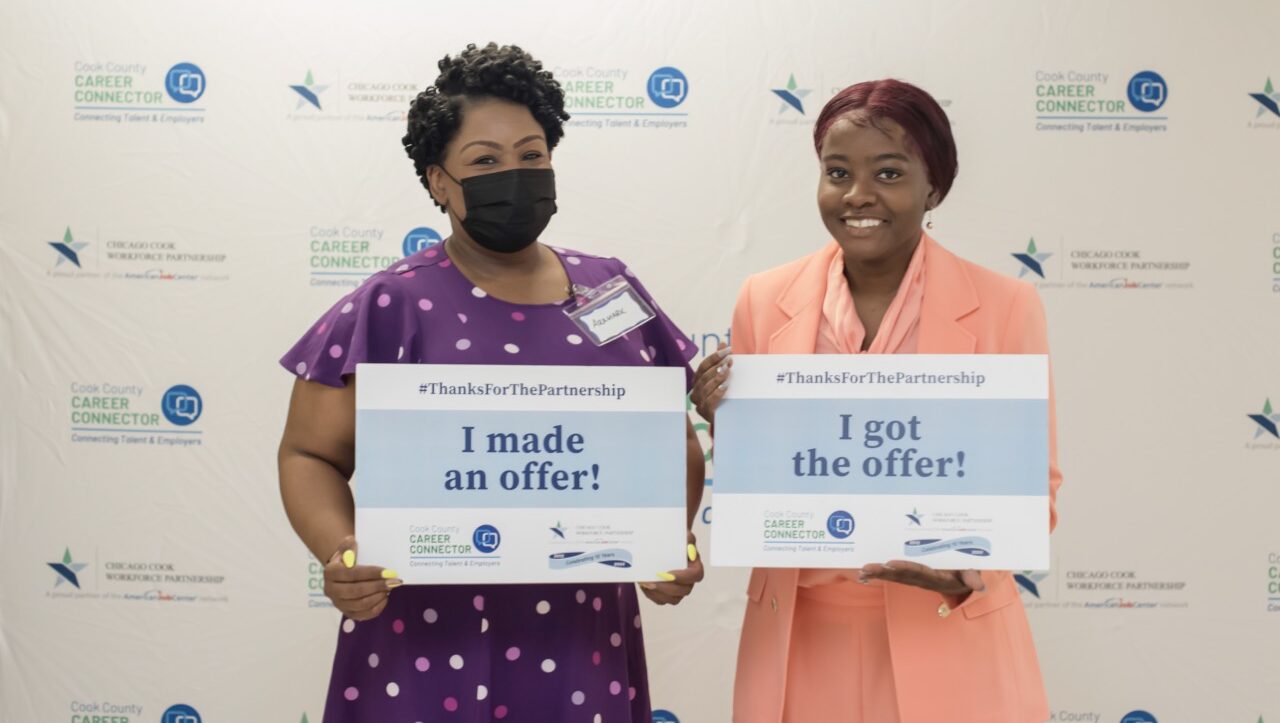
pixel 1096 102
pixel 346 254
pixel 376 100
pixel 117 414
pixel 113 92
pixel 615 98
pixel 1267 107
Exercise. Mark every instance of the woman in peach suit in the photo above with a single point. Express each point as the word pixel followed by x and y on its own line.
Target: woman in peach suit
pixel 897 641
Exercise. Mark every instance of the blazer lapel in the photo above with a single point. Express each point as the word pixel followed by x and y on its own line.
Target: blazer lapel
pixel 801 302
pixel 948 297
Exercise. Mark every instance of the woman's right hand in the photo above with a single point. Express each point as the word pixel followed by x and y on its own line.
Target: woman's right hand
pixel 710 383
pixel 359 591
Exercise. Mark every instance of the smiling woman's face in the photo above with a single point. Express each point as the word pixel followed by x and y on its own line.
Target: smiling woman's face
pixel 874 189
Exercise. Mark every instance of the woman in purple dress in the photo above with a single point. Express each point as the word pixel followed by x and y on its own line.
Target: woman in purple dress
pixel 481 140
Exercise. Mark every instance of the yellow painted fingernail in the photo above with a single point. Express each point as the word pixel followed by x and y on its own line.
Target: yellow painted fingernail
pixel 393 584
pixel 349 558
pixel 666 576
pixel 389 574
pixel 693 553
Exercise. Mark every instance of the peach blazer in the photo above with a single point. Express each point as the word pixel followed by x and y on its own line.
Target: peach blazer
pixel 976 662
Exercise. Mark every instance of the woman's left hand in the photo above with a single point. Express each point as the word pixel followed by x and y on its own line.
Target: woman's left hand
pixel 958 583
pixel 676 584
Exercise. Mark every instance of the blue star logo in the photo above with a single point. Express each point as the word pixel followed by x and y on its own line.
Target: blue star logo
pixel 309 92
pixel 1030 581
pixel 792 96
pixel 1268 423
pixel 558 530
pixel 1032 260
pixel 1268 99
pixel 915 516
pixel 68 249
pixel 67 570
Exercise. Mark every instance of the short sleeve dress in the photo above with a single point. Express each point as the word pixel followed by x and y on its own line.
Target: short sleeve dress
pixel 471 653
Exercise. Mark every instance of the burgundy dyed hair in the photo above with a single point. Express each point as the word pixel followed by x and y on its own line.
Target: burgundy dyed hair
pixel 915 110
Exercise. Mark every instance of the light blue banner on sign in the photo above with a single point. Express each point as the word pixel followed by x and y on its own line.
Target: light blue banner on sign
pixel 616 557
pixel 403 459
pixel 976 546
pixel 991 447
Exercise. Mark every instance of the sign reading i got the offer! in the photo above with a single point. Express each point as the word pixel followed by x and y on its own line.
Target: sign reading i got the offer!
pixel 511 474
pixel 836 461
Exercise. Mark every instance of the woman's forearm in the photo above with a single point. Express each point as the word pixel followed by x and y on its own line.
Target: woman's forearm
pixel 318 500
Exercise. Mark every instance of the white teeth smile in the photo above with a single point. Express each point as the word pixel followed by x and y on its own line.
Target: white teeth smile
pixel 862 222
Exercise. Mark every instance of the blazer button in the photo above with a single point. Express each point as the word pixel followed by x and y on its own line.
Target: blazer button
pixel 773 601
pixel 944 610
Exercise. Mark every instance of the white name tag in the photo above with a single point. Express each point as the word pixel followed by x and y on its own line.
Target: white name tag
pixel 610 310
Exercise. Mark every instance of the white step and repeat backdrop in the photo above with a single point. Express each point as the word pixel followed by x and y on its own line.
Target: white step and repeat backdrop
pixel 184 187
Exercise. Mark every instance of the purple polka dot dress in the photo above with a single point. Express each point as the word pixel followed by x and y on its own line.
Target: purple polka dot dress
pixel 470 653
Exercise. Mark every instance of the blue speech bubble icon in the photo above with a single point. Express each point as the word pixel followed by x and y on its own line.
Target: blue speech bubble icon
pixel 185 82
pixel 420 239
pixel 182 405
pixel 1148 91
pixel 180 713
pixel 486 538
pixel 668 87
pixel 840 524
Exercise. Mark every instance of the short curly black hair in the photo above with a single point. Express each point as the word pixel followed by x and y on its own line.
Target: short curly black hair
pixel 494 71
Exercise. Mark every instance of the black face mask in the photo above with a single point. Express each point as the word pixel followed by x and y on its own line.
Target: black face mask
pixel 507 210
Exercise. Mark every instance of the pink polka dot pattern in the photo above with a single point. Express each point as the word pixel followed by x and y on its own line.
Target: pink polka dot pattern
pixel 422 664
pixel 451 704
pixel 351 693
pixel 425 304
pixel 397 626
pixel 384 300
